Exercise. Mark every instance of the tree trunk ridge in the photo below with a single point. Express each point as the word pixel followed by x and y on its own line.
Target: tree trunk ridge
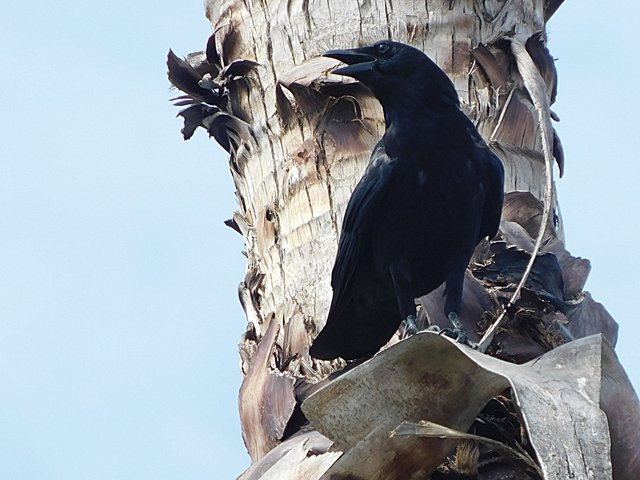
pixel 310 138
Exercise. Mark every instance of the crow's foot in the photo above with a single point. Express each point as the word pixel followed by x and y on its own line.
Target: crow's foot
pixel 410 327
pixel 459 335
pixel 458 332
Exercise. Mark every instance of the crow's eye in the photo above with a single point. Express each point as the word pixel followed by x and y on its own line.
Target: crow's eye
pixel 382 48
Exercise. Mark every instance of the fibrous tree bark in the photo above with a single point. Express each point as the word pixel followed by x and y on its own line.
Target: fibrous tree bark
pixel 299 139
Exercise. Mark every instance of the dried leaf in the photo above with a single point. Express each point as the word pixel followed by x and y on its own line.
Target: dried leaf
pixel 231 223
pixel 517 124
pixel 239 68
pixel 360 408
pixel 526 210
pixel 433 430
pixel 550 8
pixel 238 223
pixel 211 51
pixel 182 74
pixel 575 270
pixel 193 117
pixel 308 72
pixel 558 396
pixel 521 219
pixel 186 77
pixel 303 457
pixel 537 49
pixel 522 167
pixel 496 72
pixel 620 402
pixel 229 131
pixel 558 152
pixel 534 85
pixel 343 125
pixel 509 263
pixel 297 87
pixel 266 399
pixel 588 317
pixel 199 61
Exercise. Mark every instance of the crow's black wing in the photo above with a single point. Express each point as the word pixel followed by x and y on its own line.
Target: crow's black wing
pixel 491 172
pixel 359 219
pixel 493 182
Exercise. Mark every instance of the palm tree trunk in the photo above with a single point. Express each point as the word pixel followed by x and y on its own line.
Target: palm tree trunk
pixel 311 137
pixel 312 147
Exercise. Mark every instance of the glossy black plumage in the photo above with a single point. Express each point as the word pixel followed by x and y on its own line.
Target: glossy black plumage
pixel 432 190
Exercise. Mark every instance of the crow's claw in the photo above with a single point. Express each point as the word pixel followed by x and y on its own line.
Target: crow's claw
pixel 459 333
pixel 410 327
pixel 463 337
pixel 446 331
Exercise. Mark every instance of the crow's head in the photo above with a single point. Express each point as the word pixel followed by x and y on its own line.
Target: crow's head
pixel 391 68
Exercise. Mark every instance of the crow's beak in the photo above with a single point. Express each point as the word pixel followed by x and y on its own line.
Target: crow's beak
pixel 359 61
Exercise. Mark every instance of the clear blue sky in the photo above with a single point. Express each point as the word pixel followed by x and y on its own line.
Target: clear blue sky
pixel 119 319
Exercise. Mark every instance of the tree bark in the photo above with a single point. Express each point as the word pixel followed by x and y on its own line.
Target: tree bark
pixel 311 137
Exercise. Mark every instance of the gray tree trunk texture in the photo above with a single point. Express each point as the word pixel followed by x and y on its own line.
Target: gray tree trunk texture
pixel 311 148
pixel 308 138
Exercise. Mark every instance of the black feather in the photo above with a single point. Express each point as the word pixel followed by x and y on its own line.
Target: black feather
pixel 212 52
pixel 193 117
pixel 239 68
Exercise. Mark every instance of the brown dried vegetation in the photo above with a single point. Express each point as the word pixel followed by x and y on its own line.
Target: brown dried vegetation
pixel 550 387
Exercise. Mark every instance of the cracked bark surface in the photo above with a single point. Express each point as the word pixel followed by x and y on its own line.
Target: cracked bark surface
pixel 311 137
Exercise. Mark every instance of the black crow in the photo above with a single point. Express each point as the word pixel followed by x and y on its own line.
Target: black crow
pixel 432 190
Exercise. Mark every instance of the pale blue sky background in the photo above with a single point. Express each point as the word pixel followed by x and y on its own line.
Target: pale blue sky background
pixel 119 319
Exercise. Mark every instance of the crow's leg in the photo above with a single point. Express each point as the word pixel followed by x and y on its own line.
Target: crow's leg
pixel 400 276
pixel 459 332
pixel 453 304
